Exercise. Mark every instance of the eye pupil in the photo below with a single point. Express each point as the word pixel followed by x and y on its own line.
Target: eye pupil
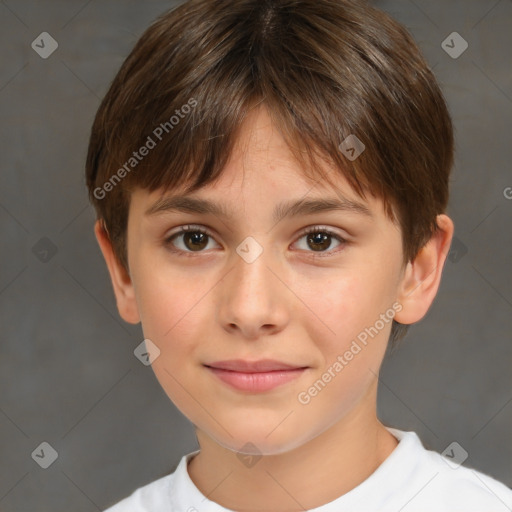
pixel 318 239
pixel 198 240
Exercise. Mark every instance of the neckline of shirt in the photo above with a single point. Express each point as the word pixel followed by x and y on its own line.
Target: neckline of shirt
pixel 388 473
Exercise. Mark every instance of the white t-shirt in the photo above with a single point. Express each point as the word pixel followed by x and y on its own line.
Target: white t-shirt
pixel 411 479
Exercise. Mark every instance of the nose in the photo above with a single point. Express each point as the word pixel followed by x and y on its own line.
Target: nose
pixel 253 298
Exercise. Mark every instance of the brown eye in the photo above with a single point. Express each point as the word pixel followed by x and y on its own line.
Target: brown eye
pixel 189 239
pixel 194 240
pixel 320 240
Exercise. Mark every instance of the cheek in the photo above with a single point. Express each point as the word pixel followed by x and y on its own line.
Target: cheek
pixel 341 304
pixel 175 308
pixel 166 300
pixel 171 308
pixel 349 353
pixel 341 317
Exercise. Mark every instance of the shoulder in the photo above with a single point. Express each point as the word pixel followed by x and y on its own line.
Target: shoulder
pixel 441 481
pixel 151 497
pixel 467 488
pixel 167 494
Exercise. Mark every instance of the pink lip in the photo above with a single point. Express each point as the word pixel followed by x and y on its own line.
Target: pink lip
pixel 255 376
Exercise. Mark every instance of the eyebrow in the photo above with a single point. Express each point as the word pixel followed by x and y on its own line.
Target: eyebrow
pixel 286 209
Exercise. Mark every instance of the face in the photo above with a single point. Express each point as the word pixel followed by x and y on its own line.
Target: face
pixel 251 286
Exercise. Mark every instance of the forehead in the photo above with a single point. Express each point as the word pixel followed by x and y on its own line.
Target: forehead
pixel 262 170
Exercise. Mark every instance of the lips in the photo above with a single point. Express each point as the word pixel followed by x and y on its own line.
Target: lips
pixel 255 376
pixel 261 366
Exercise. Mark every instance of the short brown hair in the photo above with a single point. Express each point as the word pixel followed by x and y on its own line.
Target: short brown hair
pixel 325 69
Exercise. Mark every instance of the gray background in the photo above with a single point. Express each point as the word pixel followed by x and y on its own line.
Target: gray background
pixel 68 375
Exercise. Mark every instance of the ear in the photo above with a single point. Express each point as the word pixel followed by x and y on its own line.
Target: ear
pixel 422 276
pixel 121 281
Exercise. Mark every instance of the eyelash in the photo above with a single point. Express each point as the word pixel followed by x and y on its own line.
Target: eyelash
pixel 198 229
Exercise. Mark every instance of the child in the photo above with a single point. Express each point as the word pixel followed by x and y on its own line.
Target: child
pixel 270 179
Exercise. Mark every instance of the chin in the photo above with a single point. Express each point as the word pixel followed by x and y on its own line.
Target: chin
pixel 263 439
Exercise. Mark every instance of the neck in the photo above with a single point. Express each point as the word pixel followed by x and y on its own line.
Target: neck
pixel 315 473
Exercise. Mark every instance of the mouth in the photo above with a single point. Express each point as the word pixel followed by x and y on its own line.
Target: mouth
pixel 255 376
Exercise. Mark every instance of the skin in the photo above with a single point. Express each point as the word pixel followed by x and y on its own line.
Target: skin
pixel 295 303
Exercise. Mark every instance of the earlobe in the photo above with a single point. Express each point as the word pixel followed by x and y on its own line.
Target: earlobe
pixel 422 276
pixel 121 281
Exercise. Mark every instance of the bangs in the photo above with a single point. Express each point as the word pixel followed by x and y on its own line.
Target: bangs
pixel 194 101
